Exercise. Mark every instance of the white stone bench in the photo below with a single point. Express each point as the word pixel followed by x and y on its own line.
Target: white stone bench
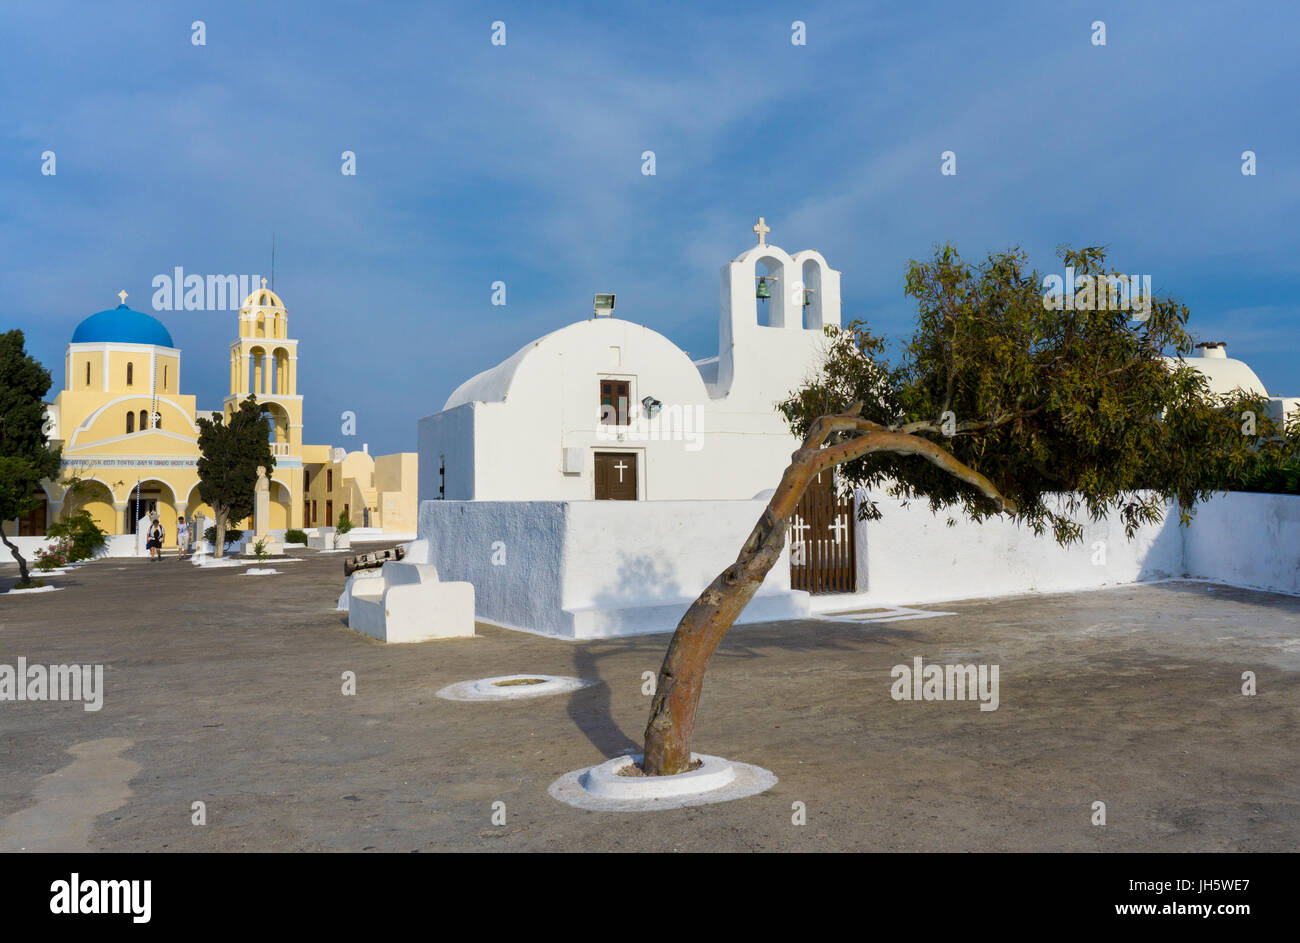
pixel 407 602
pixel 326 538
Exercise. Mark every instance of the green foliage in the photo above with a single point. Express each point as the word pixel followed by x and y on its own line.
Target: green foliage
pixel 293 536
pixel 1041 402
pixel 259 550
pixel 25 458
pixel 233 535
pixel 84 537
pixel 344 523
pixel 1272 473
pixel 231 452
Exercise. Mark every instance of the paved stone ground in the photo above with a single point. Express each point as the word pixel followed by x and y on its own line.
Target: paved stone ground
pixel 226 688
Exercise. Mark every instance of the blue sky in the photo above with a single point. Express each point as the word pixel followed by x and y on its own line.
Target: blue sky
pixel 522 163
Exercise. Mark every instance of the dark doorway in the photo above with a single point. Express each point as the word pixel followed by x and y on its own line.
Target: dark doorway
pixel 615 476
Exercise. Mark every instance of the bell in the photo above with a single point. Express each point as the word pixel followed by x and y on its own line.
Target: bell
pixel 807 297
pixel 763 293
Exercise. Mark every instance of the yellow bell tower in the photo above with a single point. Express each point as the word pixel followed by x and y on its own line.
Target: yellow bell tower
pixel 264 363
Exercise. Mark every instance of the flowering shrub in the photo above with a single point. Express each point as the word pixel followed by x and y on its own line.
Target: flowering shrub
pixel 57 555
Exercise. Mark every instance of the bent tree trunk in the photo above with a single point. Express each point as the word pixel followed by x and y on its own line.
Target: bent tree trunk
pixel 701 630
pixel 23 578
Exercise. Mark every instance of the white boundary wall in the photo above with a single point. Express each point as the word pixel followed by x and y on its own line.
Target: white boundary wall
pixel 596 569
pixel 1248 540
pixel 911 556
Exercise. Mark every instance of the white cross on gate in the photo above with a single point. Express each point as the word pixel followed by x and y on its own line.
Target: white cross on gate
pixel 620 466
pixel 840 526
pixel 799 526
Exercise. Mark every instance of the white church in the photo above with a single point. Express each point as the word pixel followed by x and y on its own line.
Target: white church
pixel 592 484
pixel 611 409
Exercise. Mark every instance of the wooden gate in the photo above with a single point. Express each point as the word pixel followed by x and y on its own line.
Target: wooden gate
pixel 823 558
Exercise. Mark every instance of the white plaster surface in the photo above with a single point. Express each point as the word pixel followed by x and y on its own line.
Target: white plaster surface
pixel 1250 540
pixel 599 788
pixel 911 556
pixel 598 569
pixel 490 689
pixel 409 603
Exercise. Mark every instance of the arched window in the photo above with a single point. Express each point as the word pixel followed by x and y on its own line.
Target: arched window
pixel 144 420
pixel 130 423
pixel 130 373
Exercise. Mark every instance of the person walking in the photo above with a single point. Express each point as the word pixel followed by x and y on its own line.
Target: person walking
pixel 182 538
pixel 154 539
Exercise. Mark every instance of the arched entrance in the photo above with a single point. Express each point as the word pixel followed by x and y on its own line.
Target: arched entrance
pixel 148 497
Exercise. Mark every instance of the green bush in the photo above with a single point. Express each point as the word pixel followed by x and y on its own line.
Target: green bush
pixel 295 537
pixel 233 535
pixel 1271 478
pixel 79 535
pixel 345 523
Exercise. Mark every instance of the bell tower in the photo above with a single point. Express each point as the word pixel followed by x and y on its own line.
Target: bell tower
pixel 773 308
pixel 264 363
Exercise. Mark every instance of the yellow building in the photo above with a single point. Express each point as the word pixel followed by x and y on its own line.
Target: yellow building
pixel 374 491
pixel 130 437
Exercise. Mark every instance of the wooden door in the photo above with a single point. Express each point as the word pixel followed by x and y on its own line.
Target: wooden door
pixel 823 558
pixel 615 476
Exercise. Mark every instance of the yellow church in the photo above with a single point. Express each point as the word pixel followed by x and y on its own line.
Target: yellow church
pixel 130 439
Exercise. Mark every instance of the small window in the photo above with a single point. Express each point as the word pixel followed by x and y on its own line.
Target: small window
pixel 164 376
pixel 87 373
pixel 144 420
pixel 130 423
pixel 130 374
pixel 329 479
pixel 157 421
pixel 614 396
pixel 313 512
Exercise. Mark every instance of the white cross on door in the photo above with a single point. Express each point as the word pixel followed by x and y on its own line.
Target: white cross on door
pixel 620 466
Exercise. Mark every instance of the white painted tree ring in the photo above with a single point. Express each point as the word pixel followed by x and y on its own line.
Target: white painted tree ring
pixel 604 781
pixel 500 688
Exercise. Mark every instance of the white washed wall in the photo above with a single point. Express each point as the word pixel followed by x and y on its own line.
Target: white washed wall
pixel 588 569
pixel 1247 540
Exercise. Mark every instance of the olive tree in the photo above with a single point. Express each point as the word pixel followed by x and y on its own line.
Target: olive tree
pixel 999 404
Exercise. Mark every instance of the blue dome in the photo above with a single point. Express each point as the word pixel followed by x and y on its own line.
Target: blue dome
pixel 123 326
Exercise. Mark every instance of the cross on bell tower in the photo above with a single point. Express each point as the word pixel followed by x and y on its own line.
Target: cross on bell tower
pixel 762 229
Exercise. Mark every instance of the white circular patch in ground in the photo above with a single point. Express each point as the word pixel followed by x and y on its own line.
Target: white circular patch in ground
pixel 602 789
pixel 511 688
pixel 33 589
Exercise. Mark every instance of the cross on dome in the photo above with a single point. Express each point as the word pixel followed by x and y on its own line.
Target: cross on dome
pixel 122 295
pixel 762 229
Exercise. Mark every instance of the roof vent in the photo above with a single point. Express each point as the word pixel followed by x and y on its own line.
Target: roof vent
pixel 1215 349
